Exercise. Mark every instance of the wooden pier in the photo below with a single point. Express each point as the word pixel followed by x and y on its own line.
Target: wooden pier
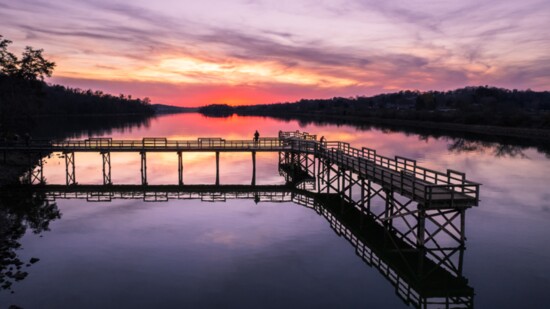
pixel 431 188
pixel 419 204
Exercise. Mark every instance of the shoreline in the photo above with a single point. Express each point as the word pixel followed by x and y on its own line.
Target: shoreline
pixel 84 115
pixel 530 133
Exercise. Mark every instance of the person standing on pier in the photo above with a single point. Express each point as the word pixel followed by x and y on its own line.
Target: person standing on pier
pixel 256 137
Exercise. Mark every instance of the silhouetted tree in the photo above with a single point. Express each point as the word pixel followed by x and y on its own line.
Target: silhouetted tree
pixel 8 61
pixel 32 66
pixel 24 94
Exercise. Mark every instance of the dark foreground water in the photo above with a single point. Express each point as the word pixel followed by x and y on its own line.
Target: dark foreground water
pixel 238 253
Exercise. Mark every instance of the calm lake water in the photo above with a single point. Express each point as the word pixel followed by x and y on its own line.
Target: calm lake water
pixel 238 253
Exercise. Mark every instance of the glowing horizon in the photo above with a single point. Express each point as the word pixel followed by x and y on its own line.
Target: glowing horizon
pixel 250 52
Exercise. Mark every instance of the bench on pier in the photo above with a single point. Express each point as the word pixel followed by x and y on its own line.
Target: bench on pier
pixel 211 142
pixel 154 142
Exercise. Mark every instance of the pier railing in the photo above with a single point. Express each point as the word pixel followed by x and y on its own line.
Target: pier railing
pixel 153 143
pixel 399 172
pixel 296 134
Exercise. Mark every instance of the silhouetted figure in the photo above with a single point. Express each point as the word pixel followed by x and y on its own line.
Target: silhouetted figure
pixel 256 136
pixel 323 139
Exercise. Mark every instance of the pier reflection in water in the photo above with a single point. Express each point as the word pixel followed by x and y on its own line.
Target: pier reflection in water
pixel 418 250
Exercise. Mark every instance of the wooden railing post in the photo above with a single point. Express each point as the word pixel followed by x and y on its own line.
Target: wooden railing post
pixel 253 168
pixel 180 169
pixel 143 170
pixel 217 168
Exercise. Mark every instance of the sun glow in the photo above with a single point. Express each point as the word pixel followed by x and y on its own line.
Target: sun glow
pixel 231 72
pixel 186 54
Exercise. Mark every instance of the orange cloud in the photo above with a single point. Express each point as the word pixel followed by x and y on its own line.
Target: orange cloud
pixel 189 54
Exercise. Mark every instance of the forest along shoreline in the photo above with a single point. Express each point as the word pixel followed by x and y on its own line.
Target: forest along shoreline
pixel 481 110
pixel 530 133
pixel 26 100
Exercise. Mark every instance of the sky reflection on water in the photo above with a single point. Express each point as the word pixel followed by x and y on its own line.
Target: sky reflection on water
pixel 193 254
pixel 237 253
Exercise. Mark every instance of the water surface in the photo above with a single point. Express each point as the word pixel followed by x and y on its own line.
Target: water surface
pixel 188 253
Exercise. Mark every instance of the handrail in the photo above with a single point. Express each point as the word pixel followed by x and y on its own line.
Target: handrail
pixel 296 134
pixel 148 143
pixel 360 159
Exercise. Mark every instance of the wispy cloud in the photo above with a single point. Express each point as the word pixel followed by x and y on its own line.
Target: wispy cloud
pixel 347 47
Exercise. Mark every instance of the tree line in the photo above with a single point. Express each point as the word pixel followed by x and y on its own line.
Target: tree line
pixel 482 105
pixel 24 95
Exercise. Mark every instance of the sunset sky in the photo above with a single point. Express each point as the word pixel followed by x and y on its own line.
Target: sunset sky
pixel 193 53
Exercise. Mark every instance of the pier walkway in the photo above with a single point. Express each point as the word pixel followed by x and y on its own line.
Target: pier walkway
pixel 435 189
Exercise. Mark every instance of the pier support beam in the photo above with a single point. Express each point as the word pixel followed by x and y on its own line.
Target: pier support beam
pixel 106 168
pixel 351 183
pixel 318 176
pixel 462 226
pixel 180 169
pixel 339 176
pixel 314 172
pixel 421 229
pixel 327 181
pixel 70 175
pixel 393 206
pixel 328 177
pixel 143 168
pixel 217 168
pixel 253 168
pixel 369 195
pixel 387 207
pixel 36 175
pixel 342 176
